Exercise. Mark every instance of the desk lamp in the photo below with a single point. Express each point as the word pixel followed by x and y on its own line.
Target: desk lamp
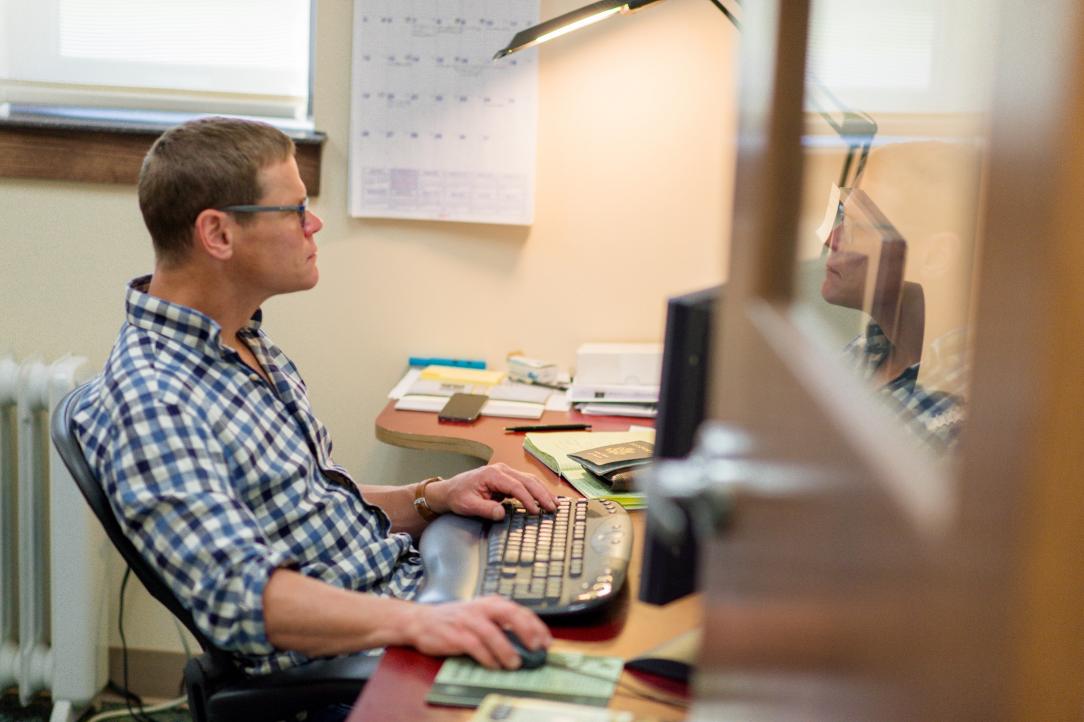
pixel 856 128
pixel 587 15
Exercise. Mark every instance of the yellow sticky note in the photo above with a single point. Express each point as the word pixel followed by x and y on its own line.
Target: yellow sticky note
pixel 453 374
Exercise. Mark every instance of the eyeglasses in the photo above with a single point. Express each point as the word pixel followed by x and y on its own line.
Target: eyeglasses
pixel 301 209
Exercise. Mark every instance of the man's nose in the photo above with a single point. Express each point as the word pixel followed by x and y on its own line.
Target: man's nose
pixel 313 224
pixel 835 238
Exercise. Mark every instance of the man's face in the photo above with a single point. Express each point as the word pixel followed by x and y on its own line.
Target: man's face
pixel 865 264
pixel 847 268
pixel 276 251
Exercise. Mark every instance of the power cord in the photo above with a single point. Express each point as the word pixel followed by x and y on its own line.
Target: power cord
pixel 187 651
pixel 114 714
pixel 140 712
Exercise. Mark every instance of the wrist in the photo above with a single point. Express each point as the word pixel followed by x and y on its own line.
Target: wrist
pixel 402 627
pixel 427 501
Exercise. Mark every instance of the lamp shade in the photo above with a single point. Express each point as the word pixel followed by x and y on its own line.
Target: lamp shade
pixel 569 22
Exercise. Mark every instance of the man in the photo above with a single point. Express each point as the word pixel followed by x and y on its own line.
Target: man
pixel 864 270
pixel 203 435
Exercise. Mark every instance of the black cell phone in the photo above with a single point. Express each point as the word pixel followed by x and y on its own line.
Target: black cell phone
pixel 462 408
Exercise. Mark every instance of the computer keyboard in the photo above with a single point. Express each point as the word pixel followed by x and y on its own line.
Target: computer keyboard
pixel 556 563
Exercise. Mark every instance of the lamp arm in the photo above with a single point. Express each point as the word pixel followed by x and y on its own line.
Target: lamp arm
pixel 724 11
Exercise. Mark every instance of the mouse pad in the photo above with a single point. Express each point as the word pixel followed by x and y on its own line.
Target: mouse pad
pixel 566 677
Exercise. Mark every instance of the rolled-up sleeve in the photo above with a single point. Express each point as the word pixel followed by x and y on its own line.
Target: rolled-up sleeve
pixel 169 483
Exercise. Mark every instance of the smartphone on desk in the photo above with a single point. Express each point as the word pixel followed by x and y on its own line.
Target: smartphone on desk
pixel 462 408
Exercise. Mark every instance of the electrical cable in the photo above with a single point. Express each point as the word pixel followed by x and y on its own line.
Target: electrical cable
pixel 140 716
pixel 187 651
pixel 117 713
pixel 116 689
pixel 184 639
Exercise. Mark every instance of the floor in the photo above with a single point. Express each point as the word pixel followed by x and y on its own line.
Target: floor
pixel 38 711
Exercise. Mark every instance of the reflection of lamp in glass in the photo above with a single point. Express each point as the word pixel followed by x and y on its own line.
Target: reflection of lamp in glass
pixel 856 128
pixel 587 15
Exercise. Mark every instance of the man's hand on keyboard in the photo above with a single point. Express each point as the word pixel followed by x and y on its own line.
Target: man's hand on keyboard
pixel 478 492
pixel 476 628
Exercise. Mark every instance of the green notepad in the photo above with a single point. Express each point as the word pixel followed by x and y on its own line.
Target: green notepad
pixel 553 448
pixel 567 677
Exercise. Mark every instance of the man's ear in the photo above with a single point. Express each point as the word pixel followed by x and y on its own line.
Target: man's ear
pixel 214 233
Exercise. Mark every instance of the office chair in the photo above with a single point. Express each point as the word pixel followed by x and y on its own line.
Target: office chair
pixel 218 690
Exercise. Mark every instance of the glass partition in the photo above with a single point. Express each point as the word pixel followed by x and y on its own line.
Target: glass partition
pixel 897 98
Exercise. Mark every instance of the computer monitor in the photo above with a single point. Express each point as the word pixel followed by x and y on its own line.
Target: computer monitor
pixel 669 564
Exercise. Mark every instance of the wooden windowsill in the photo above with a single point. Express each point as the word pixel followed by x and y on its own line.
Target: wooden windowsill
pixel 104 151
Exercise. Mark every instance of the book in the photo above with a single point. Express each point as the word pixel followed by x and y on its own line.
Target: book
pixel 566 677
pixel 615 463
pixel 553 449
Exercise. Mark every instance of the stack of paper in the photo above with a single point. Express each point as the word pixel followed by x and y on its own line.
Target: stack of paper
pixel 524 709
pixel 428 390
pixel 568 677
pixel 617 379
pixel 553 449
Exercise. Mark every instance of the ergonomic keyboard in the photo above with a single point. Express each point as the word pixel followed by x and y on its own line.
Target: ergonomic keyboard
pixel 557 563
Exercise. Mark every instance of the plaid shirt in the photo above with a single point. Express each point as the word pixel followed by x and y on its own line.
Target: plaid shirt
pixel 220 478
pixel 933 417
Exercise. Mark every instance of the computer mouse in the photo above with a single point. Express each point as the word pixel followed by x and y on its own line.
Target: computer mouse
pixel 528 658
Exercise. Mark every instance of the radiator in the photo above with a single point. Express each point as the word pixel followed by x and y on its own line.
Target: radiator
pixel 53 552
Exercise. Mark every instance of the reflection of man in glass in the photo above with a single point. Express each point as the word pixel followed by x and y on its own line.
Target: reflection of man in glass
pixel 864 270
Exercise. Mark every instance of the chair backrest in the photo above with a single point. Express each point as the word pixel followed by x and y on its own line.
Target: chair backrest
pixel 62 430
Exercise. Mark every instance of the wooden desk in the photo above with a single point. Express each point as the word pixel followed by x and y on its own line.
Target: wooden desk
pixel 629 628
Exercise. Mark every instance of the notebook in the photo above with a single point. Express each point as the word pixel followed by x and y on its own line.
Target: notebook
pixel 553 448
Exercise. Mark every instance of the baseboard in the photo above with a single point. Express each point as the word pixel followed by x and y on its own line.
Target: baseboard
pixel 151 672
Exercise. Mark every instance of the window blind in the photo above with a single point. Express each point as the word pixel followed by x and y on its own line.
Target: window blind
pixel 242 56
pixel 886 56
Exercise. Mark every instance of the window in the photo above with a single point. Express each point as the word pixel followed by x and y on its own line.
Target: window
pixel 243 57
pixel 920 56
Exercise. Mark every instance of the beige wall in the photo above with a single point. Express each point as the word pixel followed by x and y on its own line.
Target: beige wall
pixel 634 181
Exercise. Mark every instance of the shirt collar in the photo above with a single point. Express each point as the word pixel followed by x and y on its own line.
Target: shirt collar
pixel 185 325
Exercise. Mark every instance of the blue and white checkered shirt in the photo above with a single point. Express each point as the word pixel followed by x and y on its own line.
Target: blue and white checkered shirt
pixel 933 417
pixel 220 478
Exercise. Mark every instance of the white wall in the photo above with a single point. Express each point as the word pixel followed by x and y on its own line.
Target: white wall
pixel 634 182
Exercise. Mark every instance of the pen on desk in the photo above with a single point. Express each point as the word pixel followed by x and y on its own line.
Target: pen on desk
pixel 547 427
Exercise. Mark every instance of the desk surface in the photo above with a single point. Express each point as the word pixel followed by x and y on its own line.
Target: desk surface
pixel 628 629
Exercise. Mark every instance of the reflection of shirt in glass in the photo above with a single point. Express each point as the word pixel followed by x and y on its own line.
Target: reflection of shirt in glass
pixel 935 417
pixel 219 478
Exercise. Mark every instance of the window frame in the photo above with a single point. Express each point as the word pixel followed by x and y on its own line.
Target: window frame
pixel 108 152
pixel 64 138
